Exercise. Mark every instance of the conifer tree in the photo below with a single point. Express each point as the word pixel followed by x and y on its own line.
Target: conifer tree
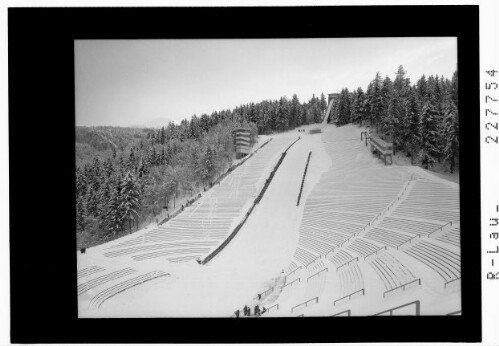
pixel 131 160
pixel 411 128
pixel 113 220
pixel 304 117
pixel 454 89
pixel 358 106
pixel 130 199
pixel 92 202
pixel 96 174
pixel 295 112
pixel 80 214
pixel 281 115
pixel 428 134
pixel 400 81
pixel 400 95
pixel 162 159
pixel 389 119
pixel 390 122
pixel 81 184
pixel 204 123
pixel 103 199
pixel 422 90
pixel 162 135
pixel 451 149
pixel 153 157
pixel 376 101
pixel 108 169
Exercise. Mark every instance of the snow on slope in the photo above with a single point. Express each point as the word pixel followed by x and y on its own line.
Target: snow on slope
pixel 350 199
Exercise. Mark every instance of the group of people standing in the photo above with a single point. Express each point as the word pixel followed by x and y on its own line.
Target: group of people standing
pixel 247 311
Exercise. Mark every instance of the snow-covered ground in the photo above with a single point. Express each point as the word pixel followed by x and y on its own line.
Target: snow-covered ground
pixel 361 227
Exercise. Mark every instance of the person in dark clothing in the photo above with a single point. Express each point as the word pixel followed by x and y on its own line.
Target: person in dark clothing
pixel 259 296
pixel 245 310
pixel 257 310
pixel 237 313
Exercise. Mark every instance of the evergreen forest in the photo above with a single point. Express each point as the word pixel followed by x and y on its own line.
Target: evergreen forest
pixel 421 119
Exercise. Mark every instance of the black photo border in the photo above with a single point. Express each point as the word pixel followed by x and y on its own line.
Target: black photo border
pixel 42 165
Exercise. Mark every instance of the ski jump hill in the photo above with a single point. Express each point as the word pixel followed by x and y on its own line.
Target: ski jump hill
pixel 362 239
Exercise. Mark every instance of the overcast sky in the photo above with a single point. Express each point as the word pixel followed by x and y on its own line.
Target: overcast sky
pixel 131 82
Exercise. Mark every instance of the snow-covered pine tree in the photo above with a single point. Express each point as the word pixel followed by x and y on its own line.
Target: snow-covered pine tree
pixel 295 112
pixel 358 106
pixel 428 134
pixel 282 115
pixel 411 124
pixel 304 117
pixel 388 118
pixel 96 174
pixel 80 214
pixel 130 199
pixel 81 182
pixel 344 112
pixel 103 200
pixel 353 113
pixel 454 89
pixel 390 123
pixel 422 90
pixel 130 165
pixel 108 169
pixel 153 157
pixel 162 135
pixel 376 101
pixel 401 89
pixel 400 81
pixel 121 161
pixel 162 158
pixel 451 148
pixel 92 202
pixel 113 219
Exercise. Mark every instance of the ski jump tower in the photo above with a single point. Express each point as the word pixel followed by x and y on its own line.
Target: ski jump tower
pixel 331 100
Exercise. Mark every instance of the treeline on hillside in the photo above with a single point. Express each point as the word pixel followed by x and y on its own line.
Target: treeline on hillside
pixel 125 176
pixel 420 119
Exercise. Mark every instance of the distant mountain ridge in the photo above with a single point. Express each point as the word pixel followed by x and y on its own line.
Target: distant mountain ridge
pixel 154 124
